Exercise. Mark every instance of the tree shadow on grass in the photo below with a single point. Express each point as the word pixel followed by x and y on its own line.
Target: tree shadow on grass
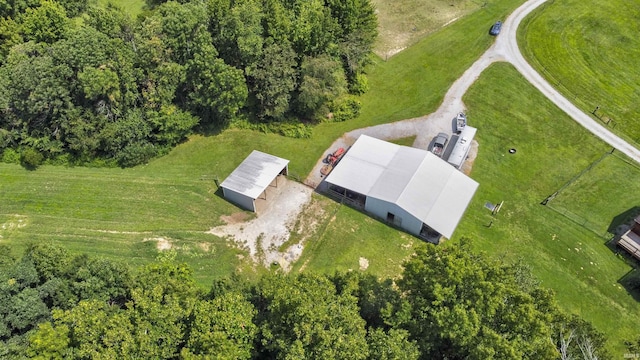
pixel 211 129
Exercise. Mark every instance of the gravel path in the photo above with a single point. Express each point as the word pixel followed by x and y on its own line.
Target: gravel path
pixel 264 235
pixel 505 48
pixel 506 44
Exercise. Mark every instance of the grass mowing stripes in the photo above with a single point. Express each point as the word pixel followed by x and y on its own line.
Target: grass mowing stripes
pixel 551 150
pixel 115 213
pixel 589 50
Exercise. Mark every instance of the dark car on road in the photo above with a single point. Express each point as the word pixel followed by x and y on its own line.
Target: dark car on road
pixel 495 29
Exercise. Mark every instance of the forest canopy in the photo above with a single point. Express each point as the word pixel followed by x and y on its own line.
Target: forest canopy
pixel 81 83
pixel 449 303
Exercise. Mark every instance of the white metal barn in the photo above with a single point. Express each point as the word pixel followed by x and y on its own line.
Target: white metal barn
pixel 251 178
pixel 408 187
pixel 463 145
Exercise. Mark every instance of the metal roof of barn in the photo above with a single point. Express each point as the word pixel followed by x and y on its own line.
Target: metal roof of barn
pixel 416 180
pixel 254 174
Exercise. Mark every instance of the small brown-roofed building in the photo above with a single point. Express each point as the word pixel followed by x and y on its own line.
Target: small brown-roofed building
pixel 630 240
pixel 250 180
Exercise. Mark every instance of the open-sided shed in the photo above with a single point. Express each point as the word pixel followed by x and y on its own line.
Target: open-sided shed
pixel 408 187
pixel 251 178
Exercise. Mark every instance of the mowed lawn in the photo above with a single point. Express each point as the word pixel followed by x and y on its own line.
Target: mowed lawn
pixel 616 176
pixel 126 214
pixel 551 149
pixel 590 49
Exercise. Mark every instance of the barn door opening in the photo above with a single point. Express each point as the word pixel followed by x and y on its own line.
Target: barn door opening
pixel 391 217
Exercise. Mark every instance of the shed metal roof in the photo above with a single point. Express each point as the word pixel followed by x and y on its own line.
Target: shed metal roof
pixel 416 180
pixel 254 174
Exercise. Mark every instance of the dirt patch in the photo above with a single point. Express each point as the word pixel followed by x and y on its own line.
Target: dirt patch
pixel 471 158
pixel 204 246
pixel 364 263
pixel 263 236
pixel 120 232
pixel 234 218
pixel 162 243
pixel 304 266
pixel 9 225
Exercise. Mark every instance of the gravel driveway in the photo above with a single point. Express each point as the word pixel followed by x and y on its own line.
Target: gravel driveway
pixel 505 48
pixel 263 235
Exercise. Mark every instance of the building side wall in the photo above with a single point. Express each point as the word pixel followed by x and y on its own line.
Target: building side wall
pixel 404 220
pixel 243 201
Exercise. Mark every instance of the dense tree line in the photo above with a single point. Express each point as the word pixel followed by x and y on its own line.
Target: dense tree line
pixel 448 304
pixel 79 83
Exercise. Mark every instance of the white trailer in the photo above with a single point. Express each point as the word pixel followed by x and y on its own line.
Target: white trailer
pixel 463 145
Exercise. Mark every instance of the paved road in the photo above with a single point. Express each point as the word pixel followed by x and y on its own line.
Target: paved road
pixel 505 48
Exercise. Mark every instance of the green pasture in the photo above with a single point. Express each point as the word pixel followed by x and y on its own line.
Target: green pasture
pixel 589 50
pixel 349 240
pixel 551 149
pixel 126 214
pixel 119 214
pixel 615 176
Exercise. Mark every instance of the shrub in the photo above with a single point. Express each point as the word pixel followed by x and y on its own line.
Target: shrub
pixel 136 154
pixel 359 85
pixel 31 158
pixel 290 128
pixel 10 156
pixel 346 109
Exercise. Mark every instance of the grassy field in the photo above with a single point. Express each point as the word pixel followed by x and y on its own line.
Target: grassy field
pixel 551 150
pixel 131 7
pixel 591 56
pixel 111 212
pixel 347 239
pixel 613 176
pixel 403 23
pixel 126 214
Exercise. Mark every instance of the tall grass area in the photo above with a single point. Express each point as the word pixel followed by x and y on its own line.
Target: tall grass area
pixel 402 23
pixel 551 150
pixel 590 50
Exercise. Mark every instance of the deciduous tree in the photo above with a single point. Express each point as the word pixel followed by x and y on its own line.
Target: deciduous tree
pixel 222 328
pixel 45 23
pixel 465 306
pixel 303 317
pixel 274 79
pixel 322 80
pixel 217 91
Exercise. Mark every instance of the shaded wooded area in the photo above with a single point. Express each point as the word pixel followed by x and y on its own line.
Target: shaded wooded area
pixel 449 304
pixel 82 84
